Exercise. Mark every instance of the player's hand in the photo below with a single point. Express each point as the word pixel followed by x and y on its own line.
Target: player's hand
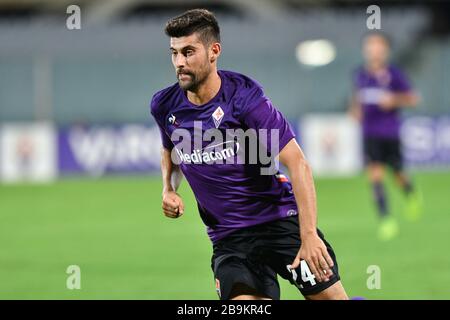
pixel 388 102
pixel 315 253
pixel 172 204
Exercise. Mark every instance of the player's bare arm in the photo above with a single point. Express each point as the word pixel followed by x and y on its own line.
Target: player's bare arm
pixel 312 250
pixel 172 204
pixel 390 101
pixel 354 109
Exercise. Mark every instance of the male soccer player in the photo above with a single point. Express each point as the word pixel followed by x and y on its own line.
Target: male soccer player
pixel 252 218
pixel 380 91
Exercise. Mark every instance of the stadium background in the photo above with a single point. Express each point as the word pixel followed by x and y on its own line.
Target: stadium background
pixel 79 151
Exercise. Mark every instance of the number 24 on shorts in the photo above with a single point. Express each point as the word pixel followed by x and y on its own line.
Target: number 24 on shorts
pixel 305 272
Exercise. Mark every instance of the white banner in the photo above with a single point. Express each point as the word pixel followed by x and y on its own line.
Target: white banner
pixel 332 144
pixel 28 152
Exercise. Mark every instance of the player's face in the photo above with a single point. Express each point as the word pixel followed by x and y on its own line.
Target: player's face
pixel 191 61
pixel 376 50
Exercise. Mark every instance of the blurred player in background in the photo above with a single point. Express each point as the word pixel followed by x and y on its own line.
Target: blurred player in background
pixel 380 91
pixel 252 219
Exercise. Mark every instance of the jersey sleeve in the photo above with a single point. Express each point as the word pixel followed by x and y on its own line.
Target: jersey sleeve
pixel 159 118
pixel 165 139
pixel 258 113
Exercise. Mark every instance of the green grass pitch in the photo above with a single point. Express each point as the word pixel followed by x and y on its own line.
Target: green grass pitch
pixel 114 230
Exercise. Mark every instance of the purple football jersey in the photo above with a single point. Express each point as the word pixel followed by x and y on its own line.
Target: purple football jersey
pixel 369 89
pixel 233 194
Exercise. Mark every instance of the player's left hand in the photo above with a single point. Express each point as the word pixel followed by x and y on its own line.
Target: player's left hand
pixel 315 253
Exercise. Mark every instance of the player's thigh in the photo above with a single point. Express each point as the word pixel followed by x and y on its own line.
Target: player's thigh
pixel 281 254
pixel 373 150
pixel 237 277
pixel 241 291
pixel 304 279
pixel 334 292
pixel 375 158
pixel 394 156
pixel 249 297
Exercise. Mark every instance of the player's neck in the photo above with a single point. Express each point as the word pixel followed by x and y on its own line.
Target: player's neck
pixel 206 91
pixel 376 68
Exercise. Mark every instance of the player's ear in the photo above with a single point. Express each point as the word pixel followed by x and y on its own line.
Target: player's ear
pixel 215 50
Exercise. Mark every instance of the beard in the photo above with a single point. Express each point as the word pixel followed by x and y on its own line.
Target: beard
pixel 191 81
pixel 188 83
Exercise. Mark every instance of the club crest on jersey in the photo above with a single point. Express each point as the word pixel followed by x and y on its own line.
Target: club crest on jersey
pixel 218 116
pixel 173 120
